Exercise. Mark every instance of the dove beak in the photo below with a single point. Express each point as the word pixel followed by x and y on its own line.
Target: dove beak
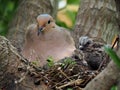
pixel 40 29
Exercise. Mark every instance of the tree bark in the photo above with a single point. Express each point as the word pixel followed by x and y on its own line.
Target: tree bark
pixel 8 64
pixel 106 79
pixel 117 2
pixel 98 19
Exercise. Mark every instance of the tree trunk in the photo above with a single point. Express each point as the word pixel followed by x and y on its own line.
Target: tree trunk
pixel 98 19
pixel 118 11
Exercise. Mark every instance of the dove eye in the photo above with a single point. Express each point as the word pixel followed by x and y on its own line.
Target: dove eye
pixel 49 21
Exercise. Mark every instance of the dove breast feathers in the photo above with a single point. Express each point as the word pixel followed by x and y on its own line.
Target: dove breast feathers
pixel 56 42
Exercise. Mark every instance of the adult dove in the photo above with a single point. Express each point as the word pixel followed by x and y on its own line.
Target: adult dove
pixel 46 39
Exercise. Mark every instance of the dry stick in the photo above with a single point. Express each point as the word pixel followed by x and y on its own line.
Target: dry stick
pixel 86 81
pixel 65 75
pixel 116 41
pixel 74 82
pixel 65 80
pixel 47 79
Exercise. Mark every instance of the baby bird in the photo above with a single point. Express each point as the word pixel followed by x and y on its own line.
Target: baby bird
pixel 46 39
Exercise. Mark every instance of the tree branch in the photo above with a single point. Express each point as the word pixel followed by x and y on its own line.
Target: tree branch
pixel 105 79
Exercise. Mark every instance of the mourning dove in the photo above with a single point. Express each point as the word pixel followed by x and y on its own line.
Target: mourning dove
pixel 46 39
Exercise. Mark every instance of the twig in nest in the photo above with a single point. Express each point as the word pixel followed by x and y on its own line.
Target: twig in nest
pixel 65 80
pixel 86 81
pixel 65 75
pixel 23 76
pixel 116 41
pixel 74 82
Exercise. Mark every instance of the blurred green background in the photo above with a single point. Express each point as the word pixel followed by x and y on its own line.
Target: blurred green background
pixel 7 9
pixel 65 16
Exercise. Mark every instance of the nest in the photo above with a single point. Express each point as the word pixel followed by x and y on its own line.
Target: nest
pixel 74 72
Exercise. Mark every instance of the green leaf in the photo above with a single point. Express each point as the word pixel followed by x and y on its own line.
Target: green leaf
pixel 73 1
pixel 69 61
pixel 50 61
pixel 9 9
pixel 69 89
pixel 58 22
pixel 3 28
pixel 71 15
pixel 114 87
pixel 11 6
pixel 112 54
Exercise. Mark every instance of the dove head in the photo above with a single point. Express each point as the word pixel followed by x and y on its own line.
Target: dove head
pixel 45 23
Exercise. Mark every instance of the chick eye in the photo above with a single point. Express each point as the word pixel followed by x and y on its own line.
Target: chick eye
pixel 49 21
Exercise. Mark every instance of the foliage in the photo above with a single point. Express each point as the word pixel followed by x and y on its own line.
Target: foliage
pixel 50 61
pixel 114 57
pixel 7 9
pixel 114 88
pixel 69 13
pixel 69 89
pixel 68 61
pixel 76 2
pixel 112 54
pixel 62 24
